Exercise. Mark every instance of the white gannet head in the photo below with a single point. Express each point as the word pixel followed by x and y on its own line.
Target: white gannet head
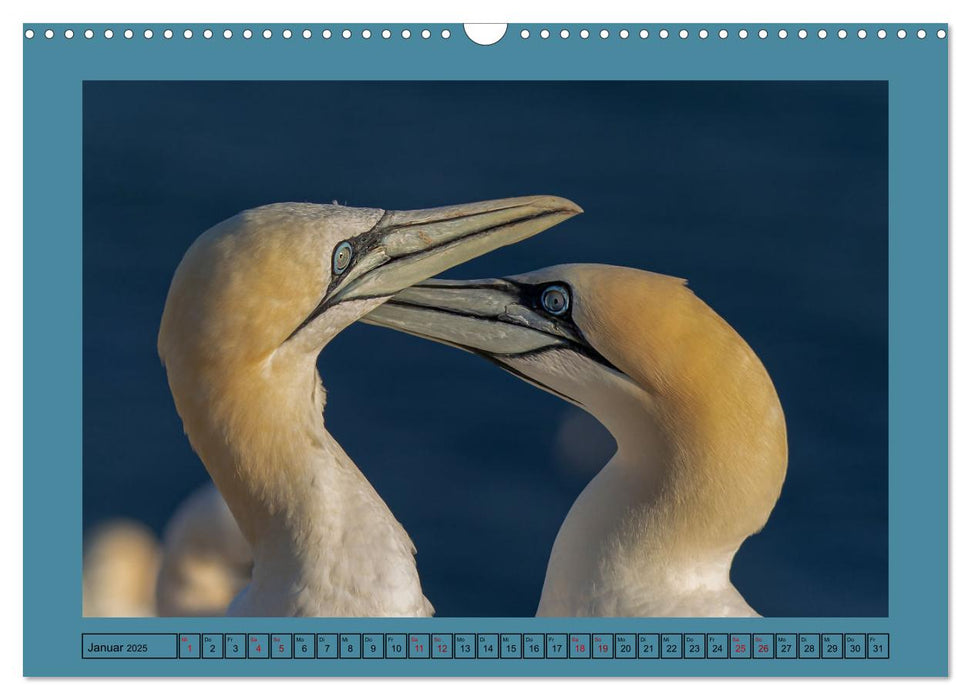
pixel 257 297
pixel 638 350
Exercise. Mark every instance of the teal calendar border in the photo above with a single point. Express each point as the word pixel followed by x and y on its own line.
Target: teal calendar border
pixel 916 70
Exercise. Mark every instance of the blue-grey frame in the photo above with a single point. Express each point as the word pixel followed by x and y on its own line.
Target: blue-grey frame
pixel 58 58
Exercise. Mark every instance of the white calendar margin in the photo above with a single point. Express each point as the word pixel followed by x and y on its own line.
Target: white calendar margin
pixel 698 11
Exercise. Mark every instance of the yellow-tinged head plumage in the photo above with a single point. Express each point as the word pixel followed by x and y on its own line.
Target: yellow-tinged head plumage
pixel 712 397
pixel 248 282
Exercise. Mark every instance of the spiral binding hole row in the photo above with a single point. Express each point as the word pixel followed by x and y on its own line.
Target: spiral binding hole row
pixel 446 34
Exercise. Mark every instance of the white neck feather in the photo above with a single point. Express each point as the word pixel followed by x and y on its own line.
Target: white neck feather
pixel 613 555
pixel 339 552
pixel 324 542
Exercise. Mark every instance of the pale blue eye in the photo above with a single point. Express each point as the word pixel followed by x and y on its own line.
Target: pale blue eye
pixel 555 299
pixel 342 257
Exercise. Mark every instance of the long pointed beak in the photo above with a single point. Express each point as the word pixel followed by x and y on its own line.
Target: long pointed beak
pixel 486 317
pixel 406 247
pixel 492 318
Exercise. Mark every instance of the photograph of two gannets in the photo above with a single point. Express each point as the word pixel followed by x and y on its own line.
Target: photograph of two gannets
pixel 473 349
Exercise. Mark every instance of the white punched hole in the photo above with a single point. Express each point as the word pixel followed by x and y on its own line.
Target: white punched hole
pixel 287 34
pixel 803 33
pixel 644 34
pixel 821 33
pixel 29 34
pixel 485 34
pixel 524 34
pixel 366 34
pixel 881 33
pixel 227 34
pixel 902 34
pixel 783 33
pixel 425 34
pixel 663 33
pixel 109 34
pixel 49 34
pixel 604 34
pixel 564 33
pixel 187 34
pixel 346 33
pixel 683 34
pixel 267 34
pixel 763 34
pixel 861 33
pixel 247 34
pixel 149 33
pixel 624 33
pixel 941 34
pixel 921 34
pixel 841 33
pixel 584 33
pixel 386 34
pixel 68 33
pixel 327 34
pixel 405 33
pixel 168 34
pixel 129 34
pixel 89 34
pixel 743 34
pixel 722 33
pixel 703 34
pixel 544 34
pixel 446 34
pixel 207 34
pixel 306 34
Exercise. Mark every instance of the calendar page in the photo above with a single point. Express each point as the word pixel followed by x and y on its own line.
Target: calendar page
pixel 457 350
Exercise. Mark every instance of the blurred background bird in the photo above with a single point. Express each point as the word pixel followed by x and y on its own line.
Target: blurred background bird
pixel 196 571
pixel 119 571
pixel 206 561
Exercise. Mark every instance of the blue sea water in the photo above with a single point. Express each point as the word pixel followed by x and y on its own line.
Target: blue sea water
pixel 770 198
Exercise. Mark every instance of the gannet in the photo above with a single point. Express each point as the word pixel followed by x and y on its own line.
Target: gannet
pixel 701 437
pixel 206 560
pixel 251 305
pixel 121 560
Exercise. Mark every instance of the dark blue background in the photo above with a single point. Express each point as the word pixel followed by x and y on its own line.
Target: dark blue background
pixel 771 198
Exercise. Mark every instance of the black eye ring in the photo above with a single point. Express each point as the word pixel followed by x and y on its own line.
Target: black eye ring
pixel 555 299
pixel 343 254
